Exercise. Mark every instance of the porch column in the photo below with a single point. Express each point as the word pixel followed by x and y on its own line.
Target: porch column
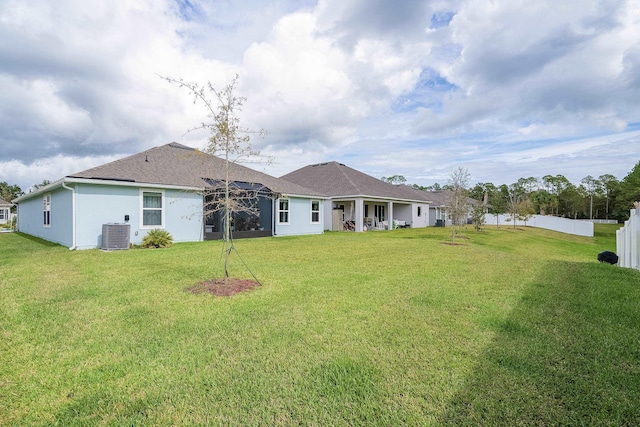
pixel 359 214
pixel 390 219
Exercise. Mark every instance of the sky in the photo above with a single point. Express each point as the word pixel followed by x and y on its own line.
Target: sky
pixel 504 88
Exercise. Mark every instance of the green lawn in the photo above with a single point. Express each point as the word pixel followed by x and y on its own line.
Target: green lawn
pixel 512 327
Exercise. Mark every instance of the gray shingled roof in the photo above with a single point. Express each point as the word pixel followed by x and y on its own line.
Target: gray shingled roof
pixel 3 202
pixel 440 198
pixel 443 197
pixel 337 180
pixel 179 165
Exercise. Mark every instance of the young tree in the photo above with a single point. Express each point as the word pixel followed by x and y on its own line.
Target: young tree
pixel 457 200
pixel 525 210
pixel 499 202
pixel 231 142
pixel 516 193
pixel 478 211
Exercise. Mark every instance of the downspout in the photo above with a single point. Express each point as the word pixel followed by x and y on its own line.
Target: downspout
pixel 274 204
pixel 73 214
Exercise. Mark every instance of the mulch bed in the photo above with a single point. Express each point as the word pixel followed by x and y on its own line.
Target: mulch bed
pixel 220 288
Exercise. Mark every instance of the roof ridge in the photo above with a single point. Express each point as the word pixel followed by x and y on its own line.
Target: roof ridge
pixel 344 173
pixel 178 145
pixel 120 160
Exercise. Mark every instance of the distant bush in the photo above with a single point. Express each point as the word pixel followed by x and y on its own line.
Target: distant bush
pixel 11 225
pixel 157 238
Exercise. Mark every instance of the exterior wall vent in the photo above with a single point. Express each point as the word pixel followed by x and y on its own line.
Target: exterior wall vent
pixel 115 236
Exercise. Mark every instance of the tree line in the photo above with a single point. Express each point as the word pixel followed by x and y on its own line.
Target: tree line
pixel 8 192
pixel 604 197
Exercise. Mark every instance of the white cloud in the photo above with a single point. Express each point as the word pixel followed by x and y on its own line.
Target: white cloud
pixel 543 62
pixel 51 169
pixel 298 84
pixel 391 88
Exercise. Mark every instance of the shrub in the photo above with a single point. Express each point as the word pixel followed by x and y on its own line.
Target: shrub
pixel 157 238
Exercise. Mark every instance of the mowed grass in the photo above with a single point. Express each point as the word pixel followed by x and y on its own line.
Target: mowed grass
pixel 511 327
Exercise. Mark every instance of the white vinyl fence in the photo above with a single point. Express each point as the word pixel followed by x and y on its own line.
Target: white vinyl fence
pixel 628 241
pixel 602 221
pixel 563 225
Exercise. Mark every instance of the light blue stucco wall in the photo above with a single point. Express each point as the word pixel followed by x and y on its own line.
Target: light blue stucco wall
pixel 98 204
pixel 299 218
pixel 31 218
pixel 101 204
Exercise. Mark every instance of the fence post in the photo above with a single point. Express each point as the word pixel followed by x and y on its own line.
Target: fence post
pixel 620 246
pixel 635 239
pixel 628 241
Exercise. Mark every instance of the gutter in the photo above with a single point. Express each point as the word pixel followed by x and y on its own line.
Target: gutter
pixel 71 180
pixel 73 214
pixel 47 188
pixel 380 198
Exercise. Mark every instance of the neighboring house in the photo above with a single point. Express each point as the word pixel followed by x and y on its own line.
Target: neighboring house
pixel 438 214
pixel 164 187
pixel 360 202
pixel 439 209
pixel 5 211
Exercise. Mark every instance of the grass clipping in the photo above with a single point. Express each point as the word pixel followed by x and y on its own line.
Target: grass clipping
pixel 222 288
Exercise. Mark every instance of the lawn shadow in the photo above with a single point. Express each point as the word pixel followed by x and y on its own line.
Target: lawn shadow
pixel 568 354
pixel 37 240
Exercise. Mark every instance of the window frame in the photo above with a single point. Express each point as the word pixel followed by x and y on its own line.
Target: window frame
pixel 46 210
pixel 286 211
pixel 419 211
pixel 317 212
pixel 161 208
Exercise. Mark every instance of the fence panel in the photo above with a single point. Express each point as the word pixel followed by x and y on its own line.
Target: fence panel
pixel 563 225
pixel 628 241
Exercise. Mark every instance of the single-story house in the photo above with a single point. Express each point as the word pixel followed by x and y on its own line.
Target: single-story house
pixel 167 187
pixel 439 209
pixel 360 202
pixel 5 211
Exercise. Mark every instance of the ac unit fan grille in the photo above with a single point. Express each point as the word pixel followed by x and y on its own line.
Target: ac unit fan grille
pixel 115 236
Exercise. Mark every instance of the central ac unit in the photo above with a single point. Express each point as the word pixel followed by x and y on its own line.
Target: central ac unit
pixel 115 236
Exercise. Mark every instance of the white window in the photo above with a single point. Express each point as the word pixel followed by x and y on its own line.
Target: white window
pixel 46 201
pixel 283 211
pixel 3 216
pixel 152 209
pixel 315 211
